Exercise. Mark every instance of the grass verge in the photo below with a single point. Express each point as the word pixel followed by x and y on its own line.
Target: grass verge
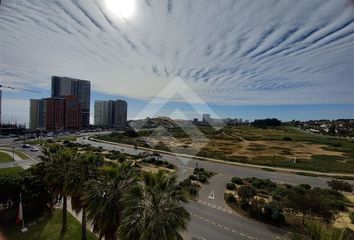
pixel 4 157
pixel 46 228
pixel 10 171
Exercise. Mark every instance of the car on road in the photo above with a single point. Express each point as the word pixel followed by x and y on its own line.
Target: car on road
pixel 34 149
pixel 26 146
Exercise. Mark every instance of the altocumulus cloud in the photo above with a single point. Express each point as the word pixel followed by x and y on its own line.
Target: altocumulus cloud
pixel 228 51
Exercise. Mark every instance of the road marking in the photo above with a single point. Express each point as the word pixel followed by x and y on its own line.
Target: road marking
pixel 225 210
pixel 224 227
pixel 212 195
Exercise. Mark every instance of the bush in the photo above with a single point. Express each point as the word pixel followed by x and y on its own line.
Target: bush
pixel 202 178
pixel 287 139
pixel 192 177
pixel 231 198
pixel 237 180
pixel 351 216
pixel 230 186
pixel 306 186
pixel 193 190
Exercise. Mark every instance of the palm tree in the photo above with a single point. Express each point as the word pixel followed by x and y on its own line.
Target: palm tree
pixel 82 170
pixel 317 231
pixel 56 164
pixel 103 199
pixel 154 209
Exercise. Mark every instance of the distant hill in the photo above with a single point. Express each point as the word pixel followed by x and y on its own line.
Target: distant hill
pixel 148 123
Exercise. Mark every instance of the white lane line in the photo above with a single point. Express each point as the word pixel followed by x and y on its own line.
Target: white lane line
pixel 225 210
pixel 224 227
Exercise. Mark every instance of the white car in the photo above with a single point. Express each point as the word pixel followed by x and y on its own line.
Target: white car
pixel 34 149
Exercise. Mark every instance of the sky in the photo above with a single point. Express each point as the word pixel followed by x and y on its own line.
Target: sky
pixel 245 59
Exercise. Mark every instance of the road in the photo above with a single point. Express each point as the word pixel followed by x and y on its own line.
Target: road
pixel 211 217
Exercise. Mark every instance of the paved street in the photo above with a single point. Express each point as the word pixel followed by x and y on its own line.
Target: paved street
pixel 211 218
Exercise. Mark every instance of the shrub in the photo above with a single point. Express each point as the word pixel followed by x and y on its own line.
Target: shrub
pixel 351 216
pixel 192 177
pixel 287 139
pixel 306 186
pixel 202 178
pixel 237 180
pixel 230 186
pixel 193 190
pixel 231 198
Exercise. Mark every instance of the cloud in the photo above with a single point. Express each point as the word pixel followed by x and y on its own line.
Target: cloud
pixel 228 52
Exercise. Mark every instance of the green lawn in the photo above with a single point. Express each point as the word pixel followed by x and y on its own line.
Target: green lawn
pixel 22 155
pixel 4 157
pixel 48 228
pixel 10 171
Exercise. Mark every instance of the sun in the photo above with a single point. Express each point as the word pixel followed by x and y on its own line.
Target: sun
pixel 122 8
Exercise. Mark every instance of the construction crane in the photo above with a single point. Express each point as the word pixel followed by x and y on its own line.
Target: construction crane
pixel 15 88
pixel 12 88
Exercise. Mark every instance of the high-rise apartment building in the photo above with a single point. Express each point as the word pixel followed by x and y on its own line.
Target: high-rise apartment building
pixel 38 115
pixel 119 113
pixel 56 113
pixel 111 113
pixel 81 89
pixel 102 113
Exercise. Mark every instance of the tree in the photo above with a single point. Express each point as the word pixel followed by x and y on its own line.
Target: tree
pixel 103 199
pixel 317 231
pixel 340 185
pixel 56 165
pixel 83 169
pixel 310 202
pixel 246 193
pixel 154 209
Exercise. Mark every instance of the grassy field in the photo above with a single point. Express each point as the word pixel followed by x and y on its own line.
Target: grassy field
pixel 4 157
pixel 47 229
pixel 22 155
pixel 10 171
pixel 280 147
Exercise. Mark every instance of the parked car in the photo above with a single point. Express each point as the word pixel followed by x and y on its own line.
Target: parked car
pixel 26 146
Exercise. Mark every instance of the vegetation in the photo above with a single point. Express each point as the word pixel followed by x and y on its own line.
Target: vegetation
pixel 268 146
pixel 47 228
pixel 190 187
pixel 340 185
pixel 4 157
pixel 317 231
pixel 22 155
pixel 101 190
pixel 230 186
pixel 269 122
pixel 155 159
pixel 351 216
pixel 152 208
pixel 268 201
pixel 10 171
pixel 201 175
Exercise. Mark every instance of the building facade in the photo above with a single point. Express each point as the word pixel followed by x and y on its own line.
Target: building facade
pixel 54 114
pixel 38 109
pixel 102 113
pixel 111 113
pixel 81 89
